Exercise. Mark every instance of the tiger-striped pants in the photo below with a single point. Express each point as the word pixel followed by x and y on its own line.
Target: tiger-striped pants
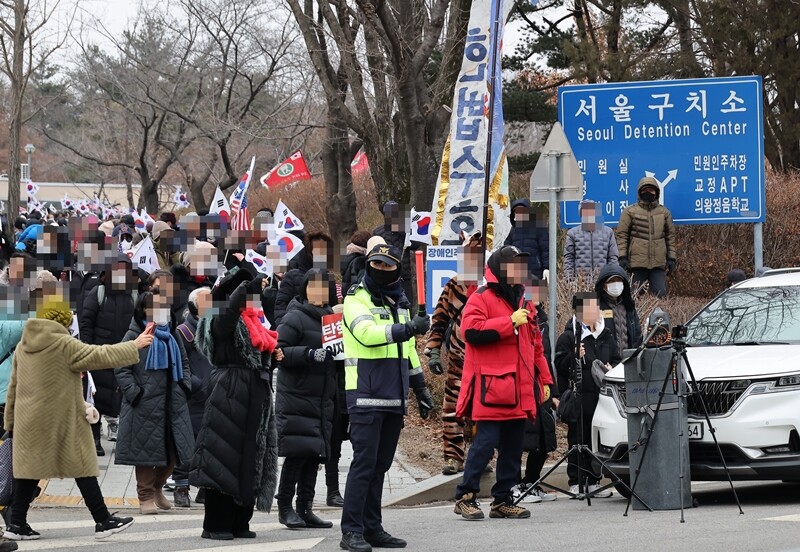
pixel 453 427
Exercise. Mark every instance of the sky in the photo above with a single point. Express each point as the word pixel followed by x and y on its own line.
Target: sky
pixel 114 15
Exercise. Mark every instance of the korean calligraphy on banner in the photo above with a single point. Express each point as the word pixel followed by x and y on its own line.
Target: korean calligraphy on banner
pixel 701 139
pixel 459 198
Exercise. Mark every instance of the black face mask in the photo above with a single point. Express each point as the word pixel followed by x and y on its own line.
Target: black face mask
pixel 383 277
pixel 649 197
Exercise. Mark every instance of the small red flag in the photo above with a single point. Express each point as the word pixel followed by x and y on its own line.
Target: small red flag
pixel 292 170
pixel 359 164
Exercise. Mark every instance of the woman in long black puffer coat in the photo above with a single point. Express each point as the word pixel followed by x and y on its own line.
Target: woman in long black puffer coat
pixel 304 401
pixel 236 457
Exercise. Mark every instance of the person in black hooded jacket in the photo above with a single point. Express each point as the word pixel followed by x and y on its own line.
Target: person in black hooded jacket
pixel 394 231
pixel 530 235
pixel 104 319
pixel 353 263
pixel 304 402
pixel 618 308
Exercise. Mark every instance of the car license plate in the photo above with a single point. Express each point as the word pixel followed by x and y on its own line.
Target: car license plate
pixel 695 430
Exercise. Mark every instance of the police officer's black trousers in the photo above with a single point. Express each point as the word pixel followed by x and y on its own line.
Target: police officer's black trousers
pixel 374 438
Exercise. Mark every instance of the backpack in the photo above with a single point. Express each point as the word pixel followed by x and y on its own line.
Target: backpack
pixel 101 295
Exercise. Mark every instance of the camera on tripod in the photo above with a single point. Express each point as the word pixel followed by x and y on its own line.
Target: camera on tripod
pixel 679 332
pixel 658 333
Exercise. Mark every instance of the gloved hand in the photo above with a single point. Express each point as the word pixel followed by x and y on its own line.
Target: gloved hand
pixel 546 393
pixel 546 275
pixel 424 401
pixel 520 317
pixel 255 286
pixel 671 265
pixel 435 362
pixel 419 325
pixel 623 262
pixel 319 355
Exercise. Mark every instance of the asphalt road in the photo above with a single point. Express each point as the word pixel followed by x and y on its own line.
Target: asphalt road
pixel 771 522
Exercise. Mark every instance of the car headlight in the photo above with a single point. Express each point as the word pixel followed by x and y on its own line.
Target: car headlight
pixel 789 381
pixel 783 383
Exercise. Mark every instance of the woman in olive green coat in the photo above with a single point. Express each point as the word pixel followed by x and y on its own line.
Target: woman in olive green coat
pixel 46 414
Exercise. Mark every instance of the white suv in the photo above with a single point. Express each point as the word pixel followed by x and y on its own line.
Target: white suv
pixel 744 349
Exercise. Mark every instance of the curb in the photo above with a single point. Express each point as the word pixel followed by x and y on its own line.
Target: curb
pixel 415 472
pixel 442 488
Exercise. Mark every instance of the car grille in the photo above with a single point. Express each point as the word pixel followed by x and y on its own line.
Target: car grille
pixel 718 396
pixel 707 453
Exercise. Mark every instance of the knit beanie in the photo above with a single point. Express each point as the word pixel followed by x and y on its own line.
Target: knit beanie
pixel 56 310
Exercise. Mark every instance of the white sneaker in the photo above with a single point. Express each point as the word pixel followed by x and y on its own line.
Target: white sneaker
pixel 602 494
pixel 543 495
pixel 530 498
pixel 576 491
pixel 170 484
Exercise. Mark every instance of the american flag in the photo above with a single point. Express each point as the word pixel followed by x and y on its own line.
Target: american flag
pixel 241 221
pixel 238 195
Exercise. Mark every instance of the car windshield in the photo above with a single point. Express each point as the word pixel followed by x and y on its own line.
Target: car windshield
pixel 748 316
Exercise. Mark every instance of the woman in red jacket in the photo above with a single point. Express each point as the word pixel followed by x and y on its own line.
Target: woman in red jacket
pixel 505 377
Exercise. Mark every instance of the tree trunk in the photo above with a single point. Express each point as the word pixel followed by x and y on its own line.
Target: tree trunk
pixel 17 85
pixel 336 156
pixel 690 68
pixel 129 189
pixel 149 196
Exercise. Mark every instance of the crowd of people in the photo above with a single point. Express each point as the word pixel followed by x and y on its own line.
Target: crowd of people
pixel 207 370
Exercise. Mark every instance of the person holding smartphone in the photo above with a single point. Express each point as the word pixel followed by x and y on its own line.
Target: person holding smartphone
pixel 45 411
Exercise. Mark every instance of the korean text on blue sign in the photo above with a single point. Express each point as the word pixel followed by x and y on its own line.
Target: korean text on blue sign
pixel 441 265
pixel 701 139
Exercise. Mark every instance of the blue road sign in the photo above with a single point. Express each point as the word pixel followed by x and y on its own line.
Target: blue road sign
pixel 441 265
pixel 701 139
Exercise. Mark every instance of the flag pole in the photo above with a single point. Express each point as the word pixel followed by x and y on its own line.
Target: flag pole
pixel 494 41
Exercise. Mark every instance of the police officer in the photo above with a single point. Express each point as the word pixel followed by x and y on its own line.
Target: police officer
pixel 381 364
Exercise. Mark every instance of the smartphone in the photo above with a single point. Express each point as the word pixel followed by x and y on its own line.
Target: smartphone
pixel 149 328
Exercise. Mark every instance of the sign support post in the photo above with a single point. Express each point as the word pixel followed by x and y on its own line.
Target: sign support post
pixel 556 177
pixel 758 245
pixel 554 159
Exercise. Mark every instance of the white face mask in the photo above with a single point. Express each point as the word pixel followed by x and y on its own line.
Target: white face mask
pixel 615 289
pixel 125 245
pixel 161 316
pixel 118 279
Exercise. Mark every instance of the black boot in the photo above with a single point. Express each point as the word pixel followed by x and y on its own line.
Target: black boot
pixel 96 430
pixel 311 519
pixel 334 498
pixel 200 497
pixel 288 517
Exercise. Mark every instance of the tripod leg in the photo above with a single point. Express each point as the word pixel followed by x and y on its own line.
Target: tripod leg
pixel 616 480
pixel 540 481
pixel 650 430
pixel 711 429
